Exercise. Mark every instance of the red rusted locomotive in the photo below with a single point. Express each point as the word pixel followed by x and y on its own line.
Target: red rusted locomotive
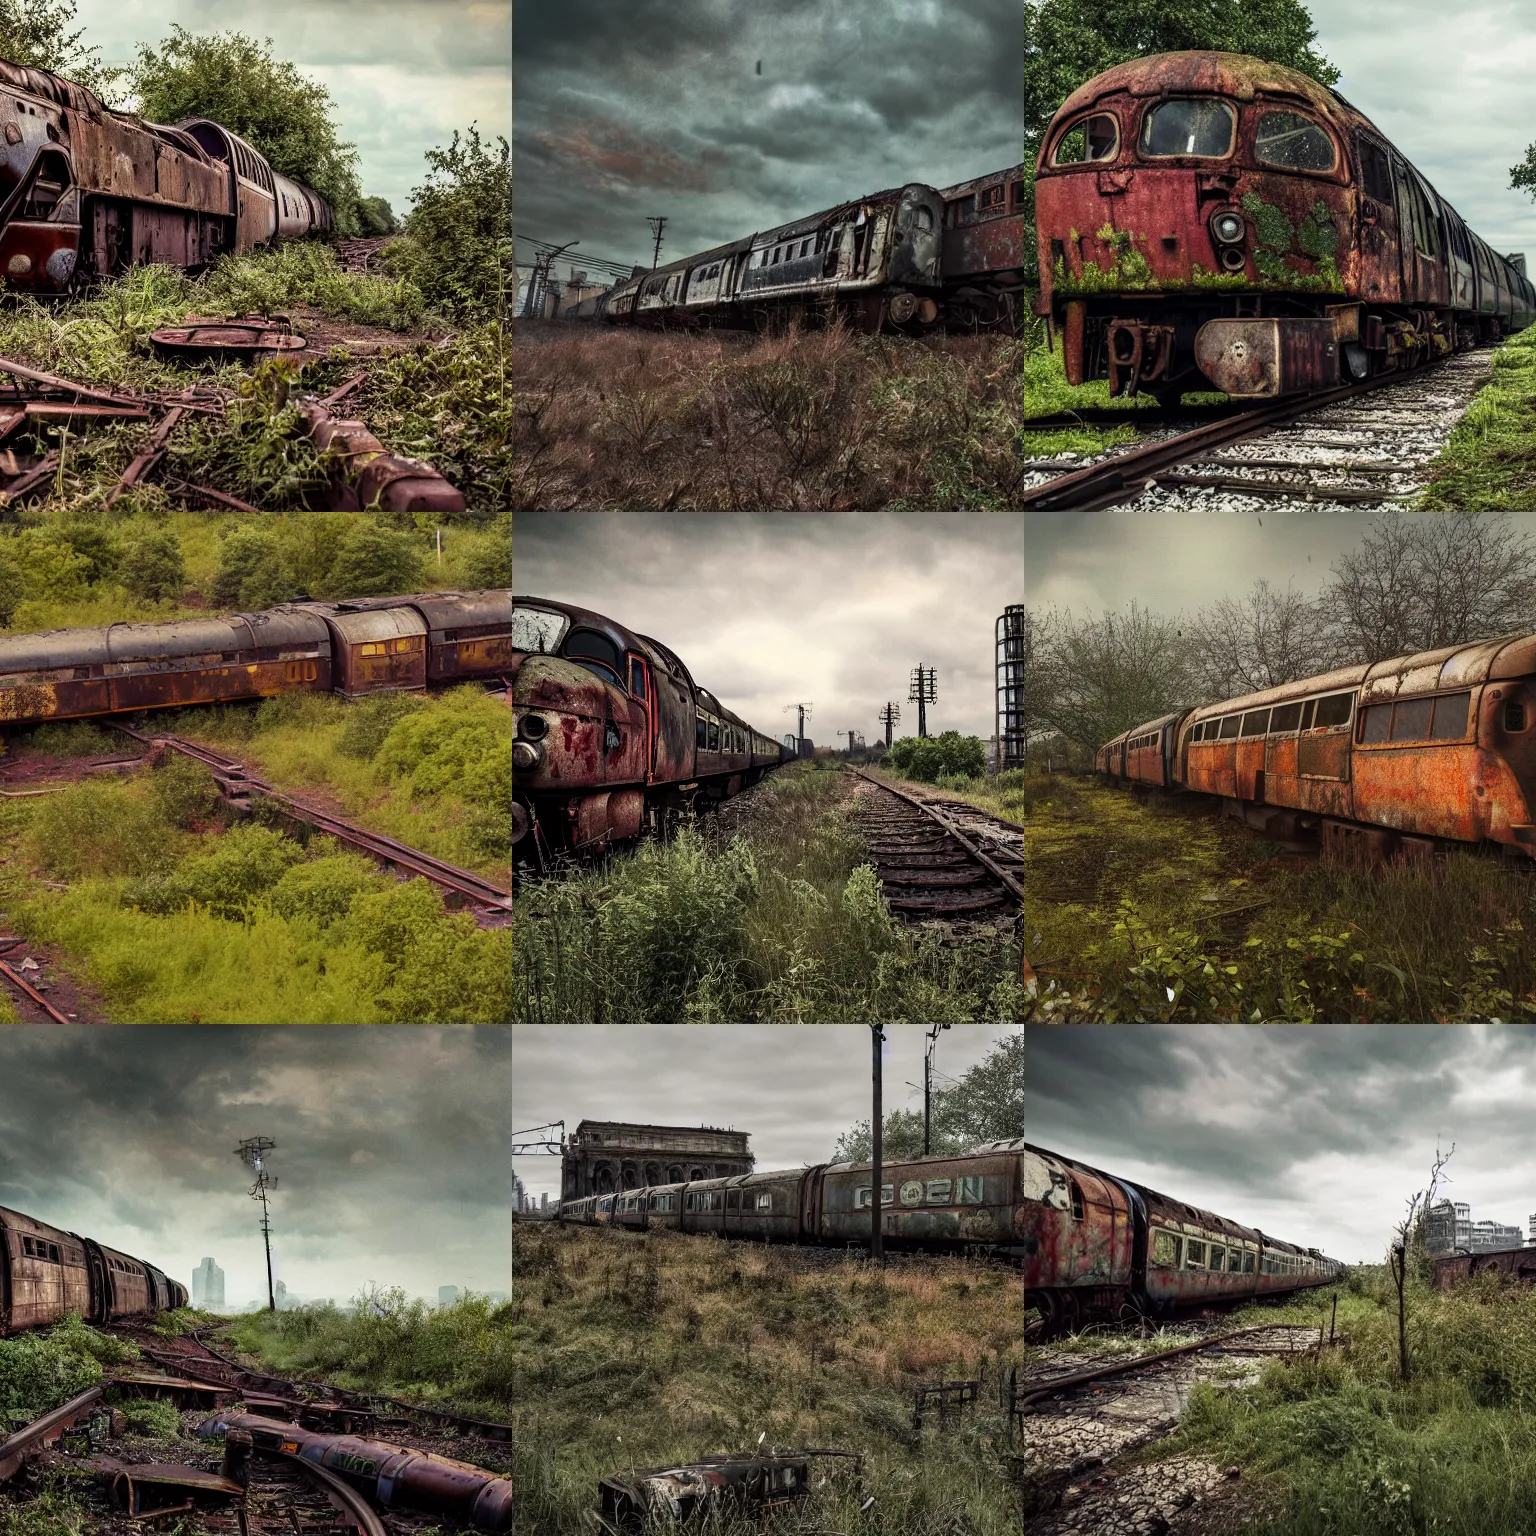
pixel 88 192
pixel 613 734
pixel 971 1200
pixel 1212 221
pixel 1097 1247
pixel 46 1274
pixel 361 646
pixel 1398 758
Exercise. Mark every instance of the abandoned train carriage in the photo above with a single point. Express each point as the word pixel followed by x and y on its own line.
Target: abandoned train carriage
pixel 947 1203
pixel 1097 1247
pixel 1210 220
pixel 983 256
pixel 46 1274
pixel 351 648
pixel 88 192
pixel 1418 752
pixel 612 733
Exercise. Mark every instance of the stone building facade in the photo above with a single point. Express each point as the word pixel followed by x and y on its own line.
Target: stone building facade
pixel 602 1156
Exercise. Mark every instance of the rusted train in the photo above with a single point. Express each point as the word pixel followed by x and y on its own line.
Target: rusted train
pixel 1396 759
pixel 353 648
pixel 971 1200
pixel 1212 221
pixel 906 259
pixel 86 192
pixel 1099 1247
pixel 46 1274
pixel 612 734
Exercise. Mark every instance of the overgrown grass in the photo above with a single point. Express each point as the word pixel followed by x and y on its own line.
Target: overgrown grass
pixel 615 418
pixel 635 1351
pixel 1356 1452
pixel 782 924
pixel 460 1358
pixel 1046 392
pixel 1000 793
pixel 41 1370
pixel 1155 909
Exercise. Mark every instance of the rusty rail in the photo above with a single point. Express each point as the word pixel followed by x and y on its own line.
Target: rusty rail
pixel 32 992
pixel 347 1499
pixel 44 1431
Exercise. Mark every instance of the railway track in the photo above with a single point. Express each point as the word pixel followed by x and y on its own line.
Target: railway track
pixel 1362 445
pixel 941 859
pixel 492 905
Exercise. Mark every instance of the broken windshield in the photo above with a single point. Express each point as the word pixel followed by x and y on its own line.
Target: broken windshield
pixel 537 629
pixel 1194 125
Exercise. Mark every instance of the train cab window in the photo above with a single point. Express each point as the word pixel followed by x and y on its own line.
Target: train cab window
pixel 1194 1256
pixel 1514 715
pixel 1450 723
pixel 1077 1202
pixel 597 653
pixel 1194 125
pixel 1410 719
pixel 1374 723
pixel 637 677
pixel 1293 142
pixel 1166 1248
pixel 1229 727
pixel 537 629
pixel 1255 723
pixel 765 1200
pixel 1285 719
pixel 1094 138
pixel 1375 170
pixel 1333 709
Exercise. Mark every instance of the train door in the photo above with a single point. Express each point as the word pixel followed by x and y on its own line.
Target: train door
pixel 640 690
pixel 101 1282
pixel 1423 276
pixel 1380 272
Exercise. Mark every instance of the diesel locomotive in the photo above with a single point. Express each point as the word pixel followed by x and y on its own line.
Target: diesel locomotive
pixel 612 734
pixel 353 648
pixel 86 192
pixel 905 259
pixel 46 1274
pixel 1211 221
pixel 1397 759
pixel 1098 1247
pixel 968 1201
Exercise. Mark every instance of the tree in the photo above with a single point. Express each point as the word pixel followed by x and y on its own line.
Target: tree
pixel 1409 1234
pixel 238 82
pixel 376 216
pixel 13 586
pixel 38 33
pixel 151 565
pixel 1259 641
pixel 251 572
pixel 374 562
pixel 926 758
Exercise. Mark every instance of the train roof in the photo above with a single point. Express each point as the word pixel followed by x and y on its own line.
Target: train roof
pixel 52 87
pixel 815 221
pixel 991 178
pixel 1154 725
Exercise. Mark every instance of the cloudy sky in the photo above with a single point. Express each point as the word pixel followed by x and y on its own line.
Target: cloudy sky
pixel 835 609
pixel 1316 1133
pixel 403 73
pixel 731 116
pixel 1178 562
pixel 793 1088
pixel 391 1156
pixel 1448 85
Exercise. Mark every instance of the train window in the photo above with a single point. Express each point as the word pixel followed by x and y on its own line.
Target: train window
pixel 584 644
pixel 1334 709
pixel 1375 170
pixel 1077 1202
pixel 1285 719
pixel 765 1200
pixel 1514 715
pixel 714 735
pixel 1094 138
pixel 1248 1261
pixel 1451 717
pixel 537 629
pixel 1410 719
pixel 1297 143
pixel 805 247
pixel 992 197
pixel 1195 125
pixel 1229 727
pixel 1017 194
pixel 637 677
pixel 1165 1248
pixel 1374 722
pixel 1255 723
pixel 1194 1257
pixel 1218 1258
pixel 1306 714
pixel 970 1190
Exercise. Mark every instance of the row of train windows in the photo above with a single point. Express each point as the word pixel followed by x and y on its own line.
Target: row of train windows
pixel 712 735
pixel 1206 127
pixel 1172 1251
pixel 1434 719
pixel 36 1248
pixel 792 250
pixel 388 647
pixel 1136 743
pixel 1332 709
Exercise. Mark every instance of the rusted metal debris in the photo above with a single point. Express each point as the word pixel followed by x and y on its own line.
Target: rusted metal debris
pixel 44 1431
pixel 390 1475
pixel 692 1491
pixel 367 472
pixel 157 1488
pixel 1517 1265
pixel 151 454
pixel 206 338
pixel 37 997
pixel 179 1390
pixel 949 1398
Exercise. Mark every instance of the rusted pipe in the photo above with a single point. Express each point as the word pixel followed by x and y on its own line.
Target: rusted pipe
pixel 368 472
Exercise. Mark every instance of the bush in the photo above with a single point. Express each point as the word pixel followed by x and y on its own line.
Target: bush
pixel 488 563
pixel 323 888
pixel 100 829
pixel 155 1421
pixel 376 216
pixel 185 790
pixel 375 562
pixel 243 864
pixel 370 720
pixel 927 758
pixel 151 565
pixel 13 583
pixel 250 572
pixel 38 1373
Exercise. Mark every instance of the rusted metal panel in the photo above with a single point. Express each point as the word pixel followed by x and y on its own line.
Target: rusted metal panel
pixel 595 733
pixel 1512 1265
pixel 932 1200
pixel 201 339
pixel 469 634
pixel 1077 1225
pixel 48 1274
pixel 367 472
pixel 45 1431
pixel 1263 359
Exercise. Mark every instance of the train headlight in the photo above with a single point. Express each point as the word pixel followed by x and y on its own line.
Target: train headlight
pixel 533 727
pixel 1228 227
pixel 527 755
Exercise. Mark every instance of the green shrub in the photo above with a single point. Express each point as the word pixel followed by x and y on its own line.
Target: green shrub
pixel 37 1373
pixel 926 758
pixel 13 582
pixel 185 790
pixel 100 829
pixel 488 563
pixel 323 888
pixel 155 1421
pixel 374 561
pixel 151 565
pixel 243 864
pixel 370 720
pixel 250 573
pixel 377 217
pixel 93 541
pixel 72 738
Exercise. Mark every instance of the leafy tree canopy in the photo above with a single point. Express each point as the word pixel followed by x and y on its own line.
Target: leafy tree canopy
pixel 41 33
pixel 927 757
pixel 238 82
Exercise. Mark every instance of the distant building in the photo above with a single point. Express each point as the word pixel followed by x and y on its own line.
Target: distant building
pixel 605 1155
pixel 1449 1228
pixel 519 1194
pixel 208 1286
pixel 1530 1229
pixel 280 1295
pixel 544 1206
pixel 447 1295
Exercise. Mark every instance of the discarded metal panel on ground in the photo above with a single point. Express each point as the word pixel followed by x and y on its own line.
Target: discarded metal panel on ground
pixel 164 1488
pixel 251 339
pixel 45 1430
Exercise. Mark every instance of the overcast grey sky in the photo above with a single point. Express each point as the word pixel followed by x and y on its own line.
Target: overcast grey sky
pixel 391 1156
pixel 1316 1133
pixel 793 1088
pixel 660 107
pixel 403 73
pixel 834 608
pixel 1178 562
pixel 1448 84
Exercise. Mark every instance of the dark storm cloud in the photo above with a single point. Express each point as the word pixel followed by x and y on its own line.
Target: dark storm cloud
pixel 392 1148
pixel 1318 1133
pixel 768 610
pixel 793 1088
pixel 661 108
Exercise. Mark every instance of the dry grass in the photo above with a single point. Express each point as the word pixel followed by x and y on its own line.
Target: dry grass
pixel 623 419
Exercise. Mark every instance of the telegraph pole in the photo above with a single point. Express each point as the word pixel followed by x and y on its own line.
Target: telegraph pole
pixel 923 692
pixel 804 710
pixel 533 300
pixel 877 1126
pixel 888 717
pixel 933 1040
pixel 657 224
pixel 251 1152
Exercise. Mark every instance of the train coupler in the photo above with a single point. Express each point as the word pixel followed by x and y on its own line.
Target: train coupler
pixel 1139 351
